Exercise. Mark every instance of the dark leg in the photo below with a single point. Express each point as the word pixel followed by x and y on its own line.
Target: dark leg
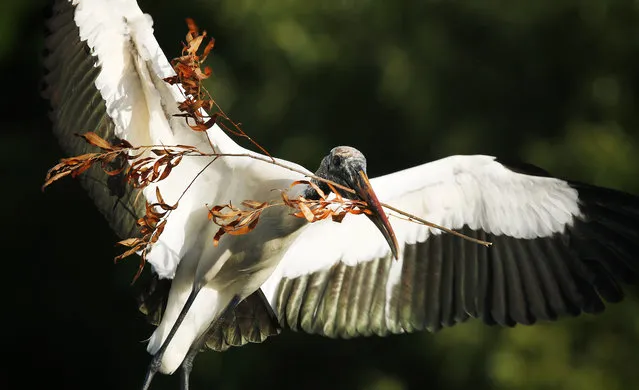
pixel 187 363
pixel 185 370
pixel 156 362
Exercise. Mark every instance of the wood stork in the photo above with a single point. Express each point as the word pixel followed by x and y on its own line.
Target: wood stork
pixel 559 247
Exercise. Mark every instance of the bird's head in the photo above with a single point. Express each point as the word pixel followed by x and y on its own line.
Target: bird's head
pixel 346 166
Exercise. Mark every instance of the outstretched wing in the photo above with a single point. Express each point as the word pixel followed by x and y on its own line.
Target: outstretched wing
pixel 558 248
pixel 76 107
pixel 104 74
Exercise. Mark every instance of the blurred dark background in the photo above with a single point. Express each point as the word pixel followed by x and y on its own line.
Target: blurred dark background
pixel 552 83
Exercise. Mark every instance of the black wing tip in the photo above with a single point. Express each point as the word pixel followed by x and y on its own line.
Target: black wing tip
pixel 611 197
pixel 541 280
pixel 605 238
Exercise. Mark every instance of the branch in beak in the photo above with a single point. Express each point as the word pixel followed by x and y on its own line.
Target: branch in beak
pixel 365 191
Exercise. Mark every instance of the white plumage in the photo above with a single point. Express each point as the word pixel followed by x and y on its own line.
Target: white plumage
pixel 142 106
pixel 475 191
pixel 317 277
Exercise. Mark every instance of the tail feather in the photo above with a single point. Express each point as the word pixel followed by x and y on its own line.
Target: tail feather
pixel 252 321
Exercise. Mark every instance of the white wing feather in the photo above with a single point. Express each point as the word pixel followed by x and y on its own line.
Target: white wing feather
pixel 459 190
pixel 142 106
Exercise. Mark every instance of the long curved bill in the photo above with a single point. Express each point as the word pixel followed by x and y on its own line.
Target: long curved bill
pixel 365 191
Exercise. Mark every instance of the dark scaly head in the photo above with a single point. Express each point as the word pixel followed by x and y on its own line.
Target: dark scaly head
pixel 346 166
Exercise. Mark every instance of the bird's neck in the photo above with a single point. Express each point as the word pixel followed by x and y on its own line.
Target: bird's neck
pixel 312 194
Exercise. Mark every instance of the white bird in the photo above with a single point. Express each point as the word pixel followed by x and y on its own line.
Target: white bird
pixel 559 247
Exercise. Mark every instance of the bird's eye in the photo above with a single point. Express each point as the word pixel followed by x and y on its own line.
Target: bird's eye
pixel 337 161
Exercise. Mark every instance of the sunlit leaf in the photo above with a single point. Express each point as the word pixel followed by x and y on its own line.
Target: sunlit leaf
pixel 96 140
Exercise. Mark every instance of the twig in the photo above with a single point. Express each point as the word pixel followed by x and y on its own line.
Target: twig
pixel 413 218
pixel 271 160
pixel 143 171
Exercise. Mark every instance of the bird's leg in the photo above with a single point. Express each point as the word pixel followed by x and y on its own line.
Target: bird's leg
pixel 156 362
pixel 196 347
pixel 185 370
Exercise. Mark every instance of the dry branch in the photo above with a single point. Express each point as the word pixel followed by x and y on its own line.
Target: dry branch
pixel 236 221
pixel 153 163
pixel 151 227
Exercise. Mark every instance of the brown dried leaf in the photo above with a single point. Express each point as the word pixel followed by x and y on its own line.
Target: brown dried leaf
pixel 322 214
pixel 217 213
pixel 158 195
pixel 81 168
pixel 114 172
pixel 51 177
pixel 213 212
pixel 218 235
pixel 200 127
pixel 338 217
pixel 247 217
pixel 78 159
pixel 172 80
pixel 254 204
pixel 177 161
pixel 156 167
pixel 165 172
pixel 124 144
pixel 194 44
pixel 313 185
pixel 165 206
pixel 297 182
pixel 140 268
pixel 158 231
pixel 244 228
pixel 202 75
pixel 206 51
pixel 338 197
pixel 130 242
pixel 190 147
pixel 193 29
pixel 160 152
pixel 96 140
pixel 127 253
pixel 306 211
pixel 285 198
